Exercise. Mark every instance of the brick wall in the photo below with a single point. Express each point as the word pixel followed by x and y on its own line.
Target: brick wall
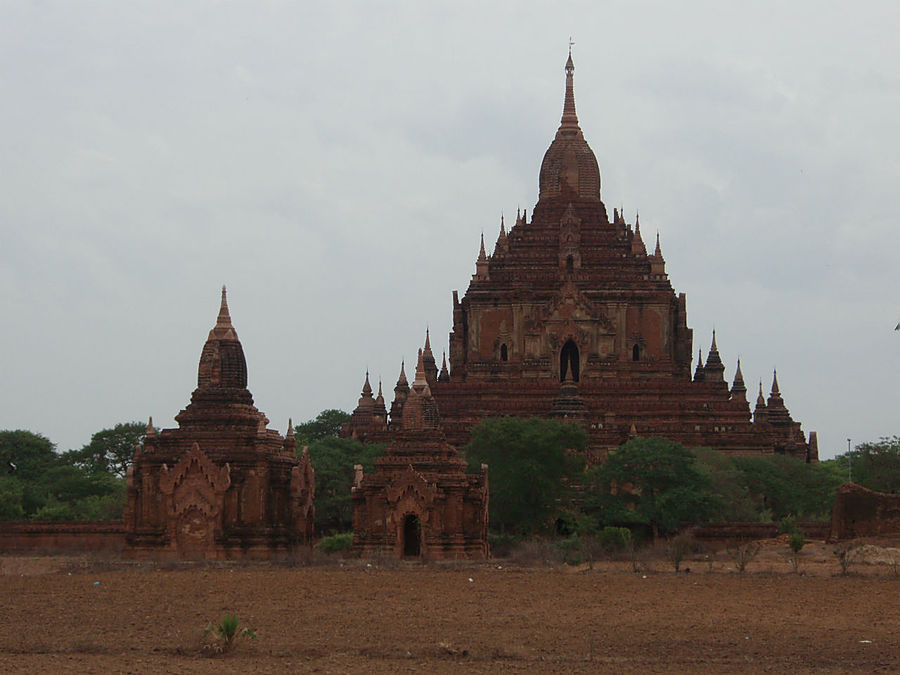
pixel 62 537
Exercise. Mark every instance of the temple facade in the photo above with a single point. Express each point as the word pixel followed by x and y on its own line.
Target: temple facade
pixel 420 503
pixel 221 485
pixel 573 317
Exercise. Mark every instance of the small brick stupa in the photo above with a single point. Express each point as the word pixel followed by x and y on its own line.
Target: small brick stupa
pixel 420 503
pixel 221 485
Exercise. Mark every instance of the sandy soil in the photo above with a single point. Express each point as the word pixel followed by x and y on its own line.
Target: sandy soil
pixel 94 617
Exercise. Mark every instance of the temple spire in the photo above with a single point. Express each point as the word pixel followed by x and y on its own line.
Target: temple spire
pixel 290 429
pixel 714 370
pixel 431 371
pixel 775 382
pixel 502 245
pixel 224 318
pixel 658 251
pixel 444 375
pixel 482 256
pixel 367 388
pixel 420 380
pixel 699 374
pixel 738 390
pixel 569 118
pixel 401 381
pixel 223 330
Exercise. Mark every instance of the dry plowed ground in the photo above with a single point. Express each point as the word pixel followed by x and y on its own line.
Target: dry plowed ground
pixel 66 615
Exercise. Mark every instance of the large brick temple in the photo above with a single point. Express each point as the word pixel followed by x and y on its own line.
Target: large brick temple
pixel 221 485
pixel 570 317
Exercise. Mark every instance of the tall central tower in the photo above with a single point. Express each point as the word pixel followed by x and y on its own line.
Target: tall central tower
pixel 571 317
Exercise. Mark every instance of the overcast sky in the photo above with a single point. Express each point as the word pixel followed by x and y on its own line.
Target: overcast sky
pixel 335 163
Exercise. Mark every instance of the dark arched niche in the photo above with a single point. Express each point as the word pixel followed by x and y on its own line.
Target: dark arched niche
pixel 568 361
pixel 412 536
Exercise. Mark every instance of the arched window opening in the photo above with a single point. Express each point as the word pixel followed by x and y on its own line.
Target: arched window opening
pixel 412 536
pixel 636 353
pixel 568 361
pixel 504 353
pixel 570 264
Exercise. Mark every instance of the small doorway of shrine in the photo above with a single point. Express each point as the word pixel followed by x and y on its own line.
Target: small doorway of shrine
pixel 412 536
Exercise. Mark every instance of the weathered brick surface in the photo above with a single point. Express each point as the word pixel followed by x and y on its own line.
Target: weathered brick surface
pixel 859 512
pixel 221 485
pixel 420 502
pixel 571 317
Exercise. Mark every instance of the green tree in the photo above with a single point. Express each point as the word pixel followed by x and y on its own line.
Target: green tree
pixel 531 464
pixel 784 486
pixel 110 450
pixel 731 496
pixel 327 423
pixel 26 455
pixel 651 482
pixel 333 459
pixel 876 465
pixel 69 493
pixel 12 492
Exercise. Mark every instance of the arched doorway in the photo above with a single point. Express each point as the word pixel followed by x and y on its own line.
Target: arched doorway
pixel 504 353
pixel 412 536
pixel 568 360
pixel 636 353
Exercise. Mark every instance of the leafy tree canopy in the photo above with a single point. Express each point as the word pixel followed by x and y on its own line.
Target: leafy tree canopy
pixel 875 465
pixel 327 423
pixel 530 463
pixel 25 454
pixel 333 459
pixel 110 450
pixel 653 482
pixel 783 486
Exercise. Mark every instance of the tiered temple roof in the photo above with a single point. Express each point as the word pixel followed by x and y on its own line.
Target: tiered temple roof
pixel 571 317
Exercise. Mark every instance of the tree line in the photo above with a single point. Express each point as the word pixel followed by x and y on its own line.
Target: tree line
pixel 540 481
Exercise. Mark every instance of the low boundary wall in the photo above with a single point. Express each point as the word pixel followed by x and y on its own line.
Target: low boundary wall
pixel 737 531
pixel 62 537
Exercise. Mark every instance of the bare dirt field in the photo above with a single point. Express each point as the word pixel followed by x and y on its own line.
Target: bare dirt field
pixel 76 615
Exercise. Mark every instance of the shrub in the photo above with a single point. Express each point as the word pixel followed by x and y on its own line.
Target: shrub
pixel 335 543
pixel 742 554
pixel 787 525
pixel 222 637
pixel 614 539
pixel 796 542
pixel 847 554
pixel 676 548
pixel 535 552
pixel 502 545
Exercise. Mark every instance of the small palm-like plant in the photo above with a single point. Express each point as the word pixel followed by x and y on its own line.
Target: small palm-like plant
pixel 224 635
